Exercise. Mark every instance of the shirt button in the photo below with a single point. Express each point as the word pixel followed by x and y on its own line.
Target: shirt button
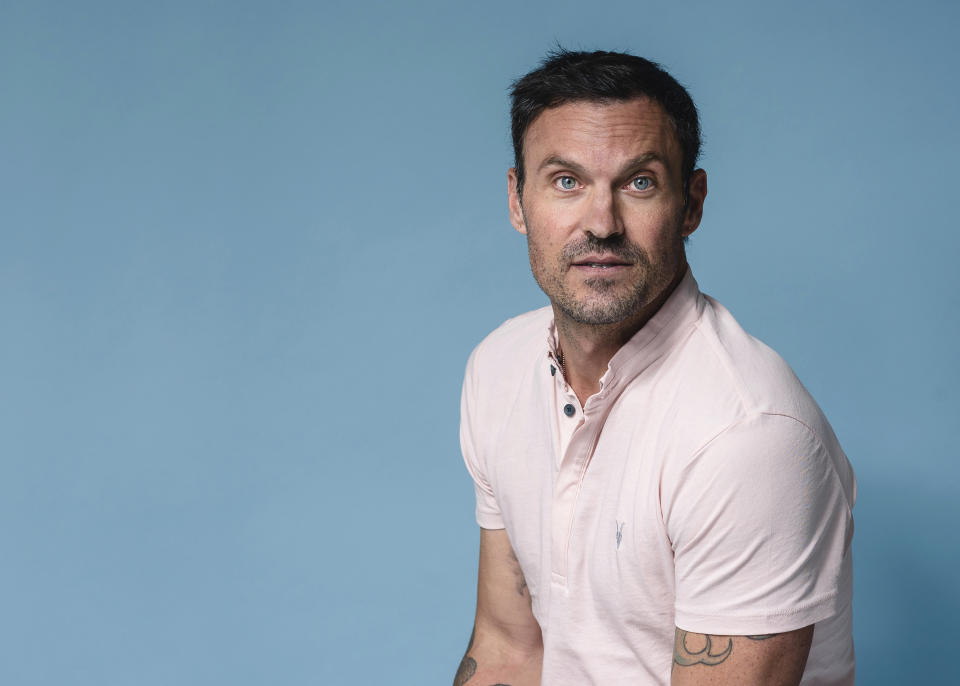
pixel 569 409
pixel 553 370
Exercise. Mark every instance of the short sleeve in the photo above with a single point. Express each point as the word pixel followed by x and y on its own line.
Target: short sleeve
pixel 760 523
pixel 488 512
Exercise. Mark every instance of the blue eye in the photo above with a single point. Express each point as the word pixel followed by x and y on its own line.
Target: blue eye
pixel 641 183
pixel 567 183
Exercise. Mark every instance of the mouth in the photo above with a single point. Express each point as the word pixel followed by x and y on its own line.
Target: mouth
pixel 600 262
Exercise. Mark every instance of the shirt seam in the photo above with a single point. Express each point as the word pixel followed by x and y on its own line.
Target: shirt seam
pixel 742 394
pixel 747 416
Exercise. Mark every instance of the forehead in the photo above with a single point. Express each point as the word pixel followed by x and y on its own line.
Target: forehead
pixel 602 133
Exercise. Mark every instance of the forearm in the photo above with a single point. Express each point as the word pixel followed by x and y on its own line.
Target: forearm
pixel 491 660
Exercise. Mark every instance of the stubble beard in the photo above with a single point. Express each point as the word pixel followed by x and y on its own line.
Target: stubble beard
pixel 603 305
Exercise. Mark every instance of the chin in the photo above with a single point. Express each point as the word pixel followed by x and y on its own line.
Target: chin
pixel 600 313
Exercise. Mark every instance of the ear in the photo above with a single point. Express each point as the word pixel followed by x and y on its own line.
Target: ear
pixel 513 201
pixel 697 193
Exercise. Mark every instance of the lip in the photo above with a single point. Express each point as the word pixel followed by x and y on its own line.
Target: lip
pixel 600 262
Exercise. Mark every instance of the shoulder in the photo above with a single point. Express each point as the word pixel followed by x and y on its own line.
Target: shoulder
pixel 749 375
pixel 512 346
pixel 751 419
pixel 498 372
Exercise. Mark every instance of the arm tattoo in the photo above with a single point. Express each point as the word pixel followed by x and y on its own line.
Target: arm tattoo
pixel 712 653
pixel 468 666
pixel 707 655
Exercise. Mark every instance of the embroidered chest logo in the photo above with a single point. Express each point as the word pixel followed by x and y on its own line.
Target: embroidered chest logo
pixel 619 533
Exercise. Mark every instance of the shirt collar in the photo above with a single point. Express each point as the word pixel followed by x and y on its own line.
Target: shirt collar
pixel 664 329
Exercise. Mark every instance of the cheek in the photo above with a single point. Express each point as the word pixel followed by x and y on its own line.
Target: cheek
pixel 550 217
pixel 543 253
pixel 657 228
pixel 545 234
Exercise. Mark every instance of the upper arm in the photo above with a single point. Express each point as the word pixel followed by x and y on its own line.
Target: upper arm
pixel 760 525
pixel 769 660
pixel 503 600
pixel 506 644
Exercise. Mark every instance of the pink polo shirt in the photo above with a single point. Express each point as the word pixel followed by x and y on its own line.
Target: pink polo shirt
pixel 701 487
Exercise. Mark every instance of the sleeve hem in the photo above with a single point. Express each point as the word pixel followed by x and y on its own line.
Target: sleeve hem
pixel 773 622
pixel 490 521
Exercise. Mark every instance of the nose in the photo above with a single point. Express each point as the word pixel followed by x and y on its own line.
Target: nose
pixel 602 218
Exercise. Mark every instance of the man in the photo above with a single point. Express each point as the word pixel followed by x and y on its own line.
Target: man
pixel 660 499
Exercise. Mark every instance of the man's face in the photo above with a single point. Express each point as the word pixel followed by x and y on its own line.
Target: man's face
pixel 603 207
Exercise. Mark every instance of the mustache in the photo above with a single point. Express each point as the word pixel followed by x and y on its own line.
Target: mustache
pixel 616 245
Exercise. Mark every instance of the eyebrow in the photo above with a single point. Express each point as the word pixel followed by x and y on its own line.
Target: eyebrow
pixel 557 161
pixel 645 159
pixel 638 161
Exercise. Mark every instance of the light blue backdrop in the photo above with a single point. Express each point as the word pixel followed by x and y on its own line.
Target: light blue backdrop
pixel 246 250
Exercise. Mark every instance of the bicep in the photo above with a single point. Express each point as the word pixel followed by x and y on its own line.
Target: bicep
pixel 769 660
pixel 506 644
pixel 503 599
pixel 760 525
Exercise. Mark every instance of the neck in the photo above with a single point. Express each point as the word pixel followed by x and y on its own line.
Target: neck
pixel 588 348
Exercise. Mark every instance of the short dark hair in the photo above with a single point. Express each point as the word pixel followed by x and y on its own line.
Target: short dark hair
pixel 565 76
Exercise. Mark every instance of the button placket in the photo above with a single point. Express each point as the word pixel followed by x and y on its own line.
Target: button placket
pixel 566 493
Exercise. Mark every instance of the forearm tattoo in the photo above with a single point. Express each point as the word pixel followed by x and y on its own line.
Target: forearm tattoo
pixel 713 652
pixel 468 667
